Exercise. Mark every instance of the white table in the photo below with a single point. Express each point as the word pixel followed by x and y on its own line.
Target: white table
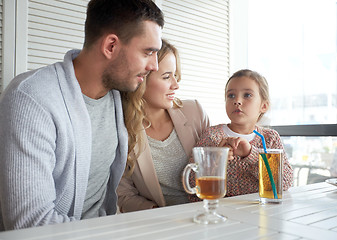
pixel 307 212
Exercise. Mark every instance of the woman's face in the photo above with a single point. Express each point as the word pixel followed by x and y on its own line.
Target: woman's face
pixel 162 84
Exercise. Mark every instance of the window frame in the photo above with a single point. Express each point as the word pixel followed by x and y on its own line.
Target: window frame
pixel 319 130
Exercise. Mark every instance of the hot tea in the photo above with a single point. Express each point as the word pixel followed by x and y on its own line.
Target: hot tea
pixel 211 187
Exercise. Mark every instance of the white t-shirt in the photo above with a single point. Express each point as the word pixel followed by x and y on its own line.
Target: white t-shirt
pixel 230 133
pixel 104 145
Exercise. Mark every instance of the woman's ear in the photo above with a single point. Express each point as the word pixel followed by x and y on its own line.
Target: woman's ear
pixel 109 44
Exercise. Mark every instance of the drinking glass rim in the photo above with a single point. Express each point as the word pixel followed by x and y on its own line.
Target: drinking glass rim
pixel 270 150
pixel 210 148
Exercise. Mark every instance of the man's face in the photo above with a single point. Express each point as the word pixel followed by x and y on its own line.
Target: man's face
pixel 135 60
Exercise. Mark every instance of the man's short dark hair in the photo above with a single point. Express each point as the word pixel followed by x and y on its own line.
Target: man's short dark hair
pixel 121 17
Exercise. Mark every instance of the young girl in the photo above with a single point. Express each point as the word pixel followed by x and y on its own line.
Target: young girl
pixel 247 99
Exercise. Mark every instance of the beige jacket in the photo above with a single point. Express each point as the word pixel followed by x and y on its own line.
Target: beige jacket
pixel 142 190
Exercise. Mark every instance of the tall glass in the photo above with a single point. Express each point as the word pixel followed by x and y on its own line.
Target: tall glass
pixel 210 169
pixel 269 193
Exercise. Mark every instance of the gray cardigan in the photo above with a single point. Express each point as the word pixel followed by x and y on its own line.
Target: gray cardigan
pixel 45 148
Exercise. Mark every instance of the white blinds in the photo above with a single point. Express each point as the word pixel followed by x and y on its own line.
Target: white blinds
pixel 54 27
pixel 198 28
pixel 200 31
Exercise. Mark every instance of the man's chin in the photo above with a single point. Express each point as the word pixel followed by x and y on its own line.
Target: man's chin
pixel 126 88
pixel 137 86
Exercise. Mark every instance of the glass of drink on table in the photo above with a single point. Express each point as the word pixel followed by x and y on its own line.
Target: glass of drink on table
pixel 270 177
pixel 210 169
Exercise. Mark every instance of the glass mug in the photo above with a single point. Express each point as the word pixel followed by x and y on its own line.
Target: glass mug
pixel 210 169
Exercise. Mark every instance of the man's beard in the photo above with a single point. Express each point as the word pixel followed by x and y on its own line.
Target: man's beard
pixel 118 75
pixel 110 82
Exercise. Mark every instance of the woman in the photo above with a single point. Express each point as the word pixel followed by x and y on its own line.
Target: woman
pixel 162 132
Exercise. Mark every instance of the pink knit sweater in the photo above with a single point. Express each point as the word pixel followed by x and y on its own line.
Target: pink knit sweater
pixel 243 173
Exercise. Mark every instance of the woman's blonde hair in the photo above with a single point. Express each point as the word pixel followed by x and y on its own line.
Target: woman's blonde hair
pixel 259 79
pixel 134 112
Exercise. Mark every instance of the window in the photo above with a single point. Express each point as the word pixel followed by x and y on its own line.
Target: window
pixel 293 44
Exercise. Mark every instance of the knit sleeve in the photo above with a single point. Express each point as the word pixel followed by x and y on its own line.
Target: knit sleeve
pixel 27 144
pixel 251 162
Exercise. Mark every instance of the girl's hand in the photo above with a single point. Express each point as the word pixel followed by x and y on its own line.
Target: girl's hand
pixel 224 143
pixel 230 153
pixel 239 146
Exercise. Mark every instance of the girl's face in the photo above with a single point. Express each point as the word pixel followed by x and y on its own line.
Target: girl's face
pixel 161 85
pixel 243 101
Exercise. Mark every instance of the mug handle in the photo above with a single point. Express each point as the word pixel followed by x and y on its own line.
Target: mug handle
pixel 186 176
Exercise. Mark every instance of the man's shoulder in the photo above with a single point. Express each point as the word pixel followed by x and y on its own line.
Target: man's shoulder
pixel 36 80
pixel 40 85
pixel 43 78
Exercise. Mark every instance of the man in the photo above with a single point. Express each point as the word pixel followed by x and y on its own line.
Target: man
pixel 63 143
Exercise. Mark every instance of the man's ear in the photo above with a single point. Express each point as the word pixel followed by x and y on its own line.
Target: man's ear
pixel 108 47
pixel 264 106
